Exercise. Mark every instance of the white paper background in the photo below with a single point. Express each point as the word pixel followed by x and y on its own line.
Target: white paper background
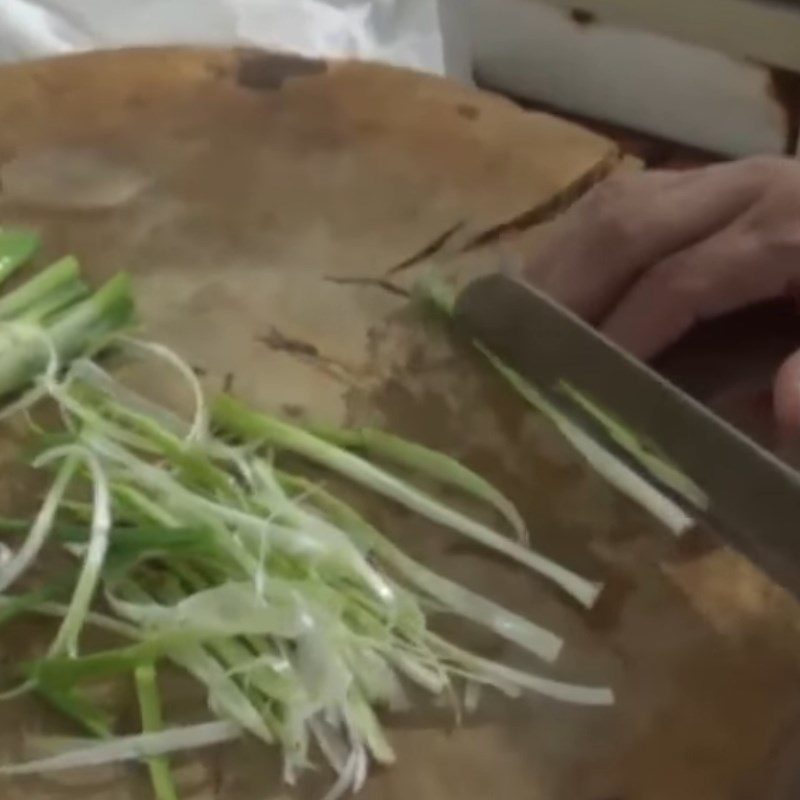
pixel 404 32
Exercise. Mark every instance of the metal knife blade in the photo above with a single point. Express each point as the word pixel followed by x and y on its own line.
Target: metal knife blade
pixel 755 497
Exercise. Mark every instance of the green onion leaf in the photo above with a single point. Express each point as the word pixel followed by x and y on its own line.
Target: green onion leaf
pixel 238 420
pixel 427 462
pixel 152 722
pixel 16 248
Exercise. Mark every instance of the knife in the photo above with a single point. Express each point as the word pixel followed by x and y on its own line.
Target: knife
pixel 754 497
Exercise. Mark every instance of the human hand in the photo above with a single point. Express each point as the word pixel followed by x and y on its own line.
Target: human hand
pixel 647 255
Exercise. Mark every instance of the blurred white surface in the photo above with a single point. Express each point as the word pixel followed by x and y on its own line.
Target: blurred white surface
pixel 626 61
pixel 579 62
pixel 403 32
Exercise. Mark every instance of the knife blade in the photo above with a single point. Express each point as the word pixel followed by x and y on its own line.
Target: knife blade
pixel 754 497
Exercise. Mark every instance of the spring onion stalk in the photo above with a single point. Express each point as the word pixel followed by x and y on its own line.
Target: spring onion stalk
pixel 130 748
pixel 427 462
pixel 51 319
pixel 198 430
pixel 67 637
pixel 437 294
pixel 490 671
pixel 644 453
pixel 621 476
pixel 42 525
pixel 152 722
pixel 84 327
pixel 16 248
pixel 55 610
pixel 456 598
pixel 237 420
pixel 94 720
pixel 87 326
pixel 55 286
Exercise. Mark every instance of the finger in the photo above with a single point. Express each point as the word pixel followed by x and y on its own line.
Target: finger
pixel 714 277
pixel 628 223
pixel 786 396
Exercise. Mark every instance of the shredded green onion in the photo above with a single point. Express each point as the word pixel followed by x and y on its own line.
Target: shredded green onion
pixel 152 722
pixel 240 421
pixel 300 619
pixel 427 462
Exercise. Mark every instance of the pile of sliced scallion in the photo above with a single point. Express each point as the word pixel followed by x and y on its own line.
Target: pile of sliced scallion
pixel 191 546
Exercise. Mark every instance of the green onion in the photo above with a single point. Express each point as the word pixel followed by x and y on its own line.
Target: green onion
pixel 152 722
pixel 239 421
pixel 644 453
pixel 82 328
pixel 54 287
pixel 94 720
pixel 437 294
pixel 16 248
pixel 67 637
pixel 299 618
pixel 42 525
pixel 129 748
pixel 621 476
pixel 454 597
pixel 427 462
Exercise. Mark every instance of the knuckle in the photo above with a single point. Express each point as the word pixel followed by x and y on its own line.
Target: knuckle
pixel 767 167
pixel 613 228
pixel 775 171
pixel 765 164
pixel 675 280
pixel 608 209
pixel 613 190
pixel 776 243
pixel 772 230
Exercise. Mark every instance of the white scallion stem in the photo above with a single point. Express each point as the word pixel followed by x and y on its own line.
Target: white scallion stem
pixel 43 524
pixel 131 748
pixel 609 466
pixel 500 674
pixel 67 637
pixel 199 429
pixel 626 480
pixel 241 421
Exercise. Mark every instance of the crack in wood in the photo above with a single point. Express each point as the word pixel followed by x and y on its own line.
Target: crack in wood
pixel 431 249
pixel 375 283
pixel 310 354
pixel 544 212
pixel 278 341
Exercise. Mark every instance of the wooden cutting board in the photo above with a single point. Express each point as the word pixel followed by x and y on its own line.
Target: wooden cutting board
pixel 272 210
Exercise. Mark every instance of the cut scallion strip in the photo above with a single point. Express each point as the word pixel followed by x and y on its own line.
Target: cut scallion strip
pixel 645 454
pixel 621 476
pixel 67 636
pixel 42 525
pixel 152 722
pixel 436 293
pixel 129 748
pixel 93 719
pixel 427 462
pixel 16 248
pixel 239 421
pixel 456 598
pixel 56 285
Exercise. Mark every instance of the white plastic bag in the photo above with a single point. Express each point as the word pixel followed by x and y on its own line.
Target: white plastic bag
pixel 404 32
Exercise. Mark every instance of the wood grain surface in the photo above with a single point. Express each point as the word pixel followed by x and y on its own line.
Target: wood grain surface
pixel 273 211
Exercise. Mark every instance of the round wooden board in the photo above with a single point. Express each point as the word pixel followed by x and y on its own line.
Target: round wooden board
pixel 272 210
